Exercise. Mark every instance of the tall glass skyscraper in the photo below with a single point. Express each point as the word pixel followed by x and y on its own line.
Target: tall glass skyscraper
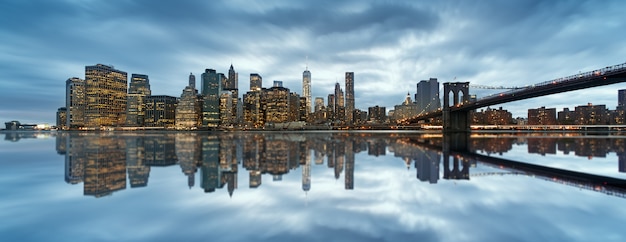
pixel 306 88
pixel 138 90
pixel 427 96
pixel 350 97
pixel 211 88
pixel 105 93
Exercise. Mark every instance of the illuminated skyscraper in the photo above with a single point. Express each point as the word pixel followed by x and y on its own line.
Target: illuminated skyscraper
pixel 211 87
pixel 256 82
pixel 75 102
pixel 138 90
pixel 189 108
pixel 350 97
pixel 231 82
pixel 160 111
pixel 306 88
pixel 105 93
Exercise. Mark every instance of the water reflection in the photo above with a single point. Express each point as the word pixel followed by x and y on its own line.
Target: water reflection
pixel 104 163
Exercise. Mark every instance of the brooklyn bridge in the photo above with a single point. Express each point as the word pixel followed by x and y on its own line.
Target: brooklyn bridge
pixel 457 105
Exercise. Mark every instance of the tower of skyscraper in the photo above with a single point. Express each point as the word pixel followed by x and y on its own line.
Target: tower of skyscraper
pixel 138 90
pixel 427 96
pixel 349 97
pixel 211 88
pixel 306 88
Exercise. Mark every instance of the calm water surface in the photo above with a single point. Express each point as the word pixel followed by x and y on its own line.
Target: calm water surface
pixel 318 186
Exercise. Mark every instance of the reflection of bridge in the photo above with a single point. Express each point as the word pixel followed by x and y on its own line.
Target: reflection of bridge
pixel 456 162
pixel 456 108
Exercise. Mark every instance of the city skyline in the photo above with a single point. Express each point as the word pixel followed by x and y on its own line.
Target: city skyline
pixel 389 46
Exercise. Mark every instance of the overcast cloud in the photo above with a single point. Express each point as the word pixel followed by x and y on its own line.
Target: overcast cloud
pixel 390 45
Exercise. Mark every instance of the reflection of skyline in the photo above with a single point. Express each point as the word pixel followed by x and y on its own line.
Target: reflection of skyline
pixel 102 162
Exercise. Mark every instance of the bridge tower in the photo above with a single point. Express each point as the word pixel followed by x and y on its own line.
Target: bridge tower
pixel 455 121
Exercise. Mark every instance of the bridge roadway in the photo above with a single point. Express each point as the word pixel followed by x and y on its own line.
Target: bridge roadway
pixel 601 77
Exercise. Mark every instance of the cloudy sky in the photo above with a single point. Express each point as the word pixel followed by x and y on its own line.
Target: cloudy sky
pixel 390 45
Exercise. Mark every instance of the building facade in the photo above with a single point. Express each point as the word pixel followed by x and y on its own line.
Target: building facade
pixel 160 111
pixel 105 93
pixel 189 108
pixel 138 90
pixel 211 89
pixel 75 102
pixel 349 98
pixel 306 88
pixel 542 116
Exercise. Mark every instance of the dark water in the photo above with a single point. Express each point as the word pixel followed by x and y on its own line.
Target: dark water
pixel 318 186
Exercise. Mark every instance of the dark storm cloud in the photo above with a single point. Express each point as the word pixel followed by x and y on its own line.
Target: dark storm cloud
pixel 400 42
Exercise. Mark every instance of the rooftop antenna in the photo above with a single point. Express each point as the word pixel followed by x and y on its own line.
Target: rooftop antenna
pixel 306 68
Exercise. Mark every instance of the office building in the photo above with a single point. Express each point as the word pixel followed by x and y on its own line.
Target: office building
pixel 138 90
pixel 105 94
pixel 61 118
pixel 349 97
pixel 427 96
pixel 160 111
pixel 211 88
pixel 256 82
pixel 75 102
pixel 189 108
pixel 306 88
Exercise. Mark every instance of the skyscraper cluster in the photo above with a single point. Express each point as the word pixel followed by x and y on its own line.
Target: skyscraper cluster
pixel 105 100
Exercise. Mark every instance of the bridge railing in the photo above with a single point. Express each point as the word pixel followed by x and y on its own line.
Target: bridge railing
pixel 595 73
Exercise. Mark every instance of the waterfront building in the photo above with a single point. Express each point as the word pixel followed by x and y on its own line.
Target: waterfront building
pixel 306 88
pixel 492 117
pixel 138 90
pixel 566 117
pixel 427 95
pixel 105 95
pixel 330 107
pixel 360 116
pixel 189 109
pixel 61 118
pixel 211 88
pixel 591 114
pixel 349 98
pixel 542 116
pixel 75 102
pixel 160 111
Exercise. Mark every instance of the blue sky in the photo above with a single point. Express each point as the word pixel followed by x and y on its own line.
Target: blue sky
pixel 390 45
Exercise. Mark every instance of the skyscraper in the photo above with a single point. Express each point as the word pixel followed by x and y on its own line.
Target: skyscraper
pixel 105 93
pixel 339 107
pixel 350 97
pixel 621 98
pixel 138 90
pixel 231 82
pixel 255 82
pixel 306 88
pixel 211 87
pixel 75 102
pixel 427 96
pixel 189 108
